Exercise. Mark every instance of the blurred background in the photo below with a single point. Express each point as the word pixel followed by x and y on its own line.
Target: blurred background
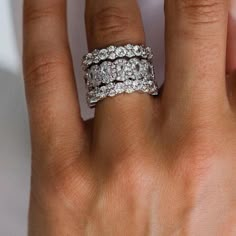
pixel 14 131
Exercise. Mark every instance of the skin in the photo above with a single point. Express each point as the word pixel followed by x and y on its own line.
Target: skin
pixel 144 165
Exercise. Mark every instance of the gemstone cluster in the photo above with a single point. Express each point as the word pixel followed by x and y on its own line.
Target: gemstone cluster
pixel 119 70
pixel 113 52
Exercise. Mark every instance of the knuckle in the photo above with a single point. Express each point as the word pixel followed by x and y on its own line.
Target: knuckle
pixel 111 21
pixel 68 182
pixel 32 14
pixel 202 11
pixel 42 69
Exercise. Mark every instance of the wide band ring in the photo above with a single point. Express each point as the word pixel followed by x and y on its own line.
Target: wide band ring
pixel 109 79
pixel 112 53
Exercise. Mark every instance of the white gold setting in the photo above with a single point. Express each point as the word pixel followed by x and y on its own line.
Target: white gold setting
pixel 113 53
pixel 120 71
pixel 120 76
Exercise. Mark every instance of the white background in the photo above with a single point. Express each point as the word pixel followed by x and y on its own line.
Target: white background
pixel 14 130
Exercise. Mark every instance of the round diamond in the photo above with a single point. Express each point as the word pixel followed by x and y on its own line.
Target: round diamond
pixel 103 91
pixel 111 48
pixel 112 93
pixel 137 51
pixel 103 54
pixel 129 46
pixel 121 51
pixel 112 56
pixel 95 56
pixel 110 86
pixel 128 82
pixel 145 88
pixel 136 85
pixel 120 87
pixel 130 89
pixel 89 59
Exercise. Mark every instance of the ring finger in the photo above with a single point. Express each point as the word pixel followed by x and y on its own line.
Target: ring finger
pixel 126 118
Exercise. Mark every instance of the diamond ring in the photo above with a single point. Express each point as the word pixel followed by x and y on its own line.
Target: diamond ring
pixel 113 53
pixel 111 78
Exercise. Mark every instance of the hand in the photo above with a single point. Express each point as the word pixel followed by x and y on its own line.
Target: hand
pixel 143 166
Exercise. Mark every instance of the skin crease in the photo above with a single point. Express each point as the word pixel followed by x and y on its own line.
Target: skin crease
pixel 144 166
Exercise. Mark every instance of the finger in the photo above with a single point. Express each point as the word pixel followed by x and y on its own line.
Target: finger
pixel 196 35
pixel 125 117
pixel 49 80
pixel 231 49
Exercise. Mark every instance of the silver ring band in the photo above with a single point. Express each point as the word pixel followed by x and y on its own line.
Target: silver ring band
pixel 113 89
pixel 120 76
pixel 113 53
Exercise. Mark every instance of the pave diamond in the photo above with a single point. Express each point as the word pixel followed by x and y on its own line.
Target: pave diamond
pixel 112 93
pixel 103 91
pixel 111 78
pixel 120 87
pixel 112 53
pixel 136 85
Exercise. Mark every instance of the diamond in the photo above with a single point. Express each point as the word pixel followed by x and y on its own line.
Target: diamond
pixel 92 101
pixel 128 82
pixel 112 93
pixel 106 72
pixel 120 87
pixel 112 56
pixel 120 68
pixel 103 91
pixel 121 51
pixel 120 78
pixel 103 54
pixel 130 54
pixel 137 51
pixel 95 56
pixel 89 59
pixel 110 86
pixel 94 76
pixel 130 89
pixel 145 88
pixel 111 48
pixel 136 85
pixel 129 46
